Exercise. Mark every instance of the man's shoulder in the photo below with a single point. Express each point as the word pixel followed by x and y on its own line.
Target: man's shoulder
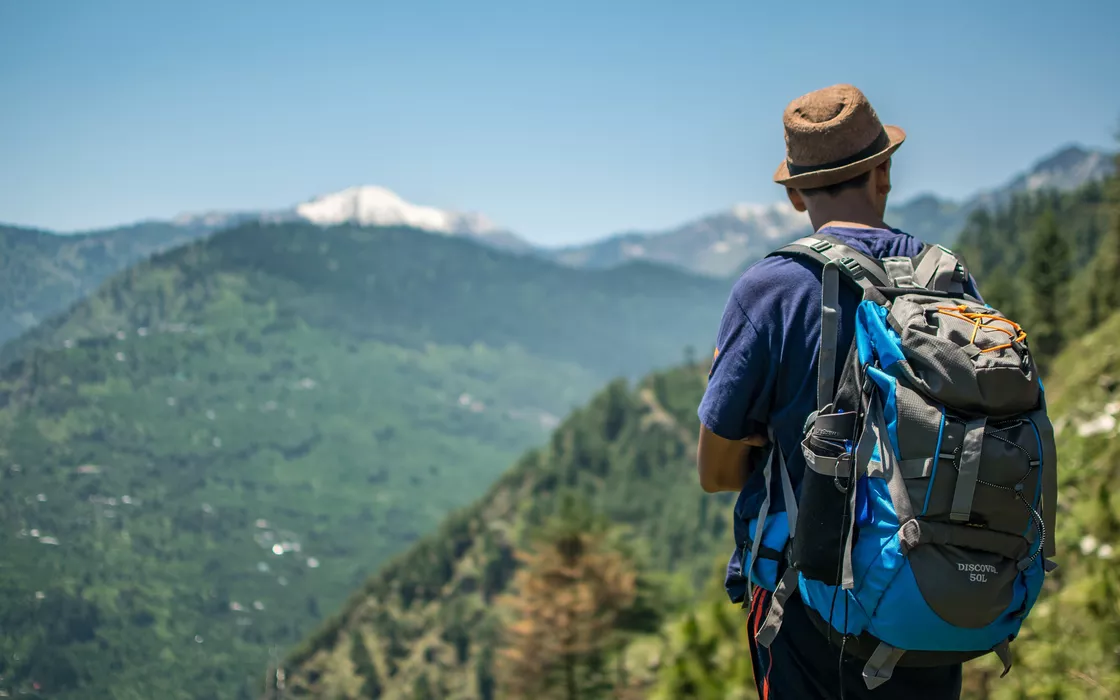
pixel 774 269
pixel 773 283
pixel 784 280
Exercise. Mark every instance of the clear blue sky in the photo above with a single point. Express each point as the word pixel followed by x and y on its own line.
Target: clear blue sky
pixel 563 122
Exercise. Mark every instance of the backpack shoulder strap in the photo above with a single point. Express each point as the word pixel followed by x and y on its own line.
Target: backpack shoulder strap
pixel 858 269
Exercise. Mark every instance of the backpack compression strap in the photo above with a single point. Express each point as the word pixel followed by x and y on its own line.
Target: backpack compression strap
pixel 858 269
pixel 939 269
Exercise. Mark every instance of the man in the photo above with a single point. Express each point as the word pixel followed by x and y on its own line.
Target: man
pixel 764 375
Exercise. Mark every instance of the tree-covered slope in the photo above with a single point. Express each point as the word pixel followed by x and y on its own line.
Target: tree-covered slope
pixel 207 455
pixel 42 273
pixel 427 622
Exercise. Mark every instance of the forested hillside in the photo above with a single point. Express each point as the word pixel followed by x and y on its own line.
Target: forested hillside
pixel 205 457
pixel 458 617
pixel 428 624
pixel 42 273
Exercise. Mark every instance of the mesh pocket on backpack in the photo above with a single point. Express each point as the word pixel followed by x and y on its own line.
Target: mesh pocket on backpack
pixel 965 356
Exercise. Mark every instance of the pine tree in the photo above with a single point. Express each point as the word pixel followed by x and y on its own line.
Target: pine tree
pixel 1047 277
pixel 1103 287
pixel 705 655
pixel 364 666
pixel 569 594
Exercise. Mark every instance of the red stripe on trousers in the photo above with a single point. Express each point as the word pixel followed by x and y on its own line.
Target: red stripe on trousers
pixel 756 622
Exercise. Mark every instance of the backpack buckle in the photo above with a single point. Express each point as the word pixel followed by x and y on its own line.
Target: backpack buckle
pixel 853 267
pixel 820 246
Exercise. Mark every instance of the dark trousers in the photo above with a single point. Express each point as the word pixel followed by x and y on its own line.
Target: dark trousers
pixel 802 664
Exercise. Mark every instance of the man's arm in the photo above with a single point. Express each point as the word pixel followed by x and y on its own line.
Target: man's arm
pixel 733 412
pixel 723 464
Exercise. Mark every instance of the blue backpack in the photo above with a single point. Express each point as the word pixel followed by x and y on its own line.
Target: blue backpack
pixel 921 531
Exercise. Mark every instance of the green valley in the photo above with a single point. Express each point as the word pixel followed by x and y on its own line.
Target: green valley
pixel 201 460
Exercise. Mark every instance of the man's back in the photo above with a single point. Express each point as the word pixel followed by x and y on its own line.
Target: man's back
pixel 766 371
pixel 765 375
pixel 765 368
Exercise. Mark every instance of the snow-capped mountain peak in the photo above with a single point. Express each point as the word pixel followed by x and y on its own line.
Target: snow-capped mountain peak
pixel 367 205
pixel 370 205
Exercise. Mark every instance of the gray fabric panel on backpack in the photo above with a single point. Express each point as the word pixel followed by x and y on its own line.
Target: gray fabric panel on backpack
pixel 966 574
pixel 943 359
pixel 1009 456
pixel 919 422
pixel 964 586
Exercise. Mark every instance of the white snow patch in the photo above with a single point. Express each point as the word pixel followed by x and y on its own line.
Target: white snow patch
pixel 632 250
pixel 370 205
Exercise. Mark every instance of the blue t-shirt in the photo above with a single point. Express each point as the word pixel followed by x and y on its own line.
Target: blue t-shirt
pixel 765 369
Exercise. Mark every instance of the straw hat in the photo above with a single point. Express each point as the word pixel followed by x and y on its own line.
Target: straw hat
pixel 833 135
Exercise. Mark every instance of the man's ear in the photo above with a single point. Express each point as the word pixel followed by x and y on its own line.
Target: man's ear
pixel 796 199
pixel 883 178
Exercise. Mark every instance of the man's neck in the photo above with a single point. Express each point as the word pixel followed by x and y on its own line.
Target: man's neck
pixel 846 217
pixel 838 223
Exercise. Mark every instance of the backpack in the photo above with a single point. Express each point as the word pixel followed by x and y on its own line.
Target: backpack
pixel 922 529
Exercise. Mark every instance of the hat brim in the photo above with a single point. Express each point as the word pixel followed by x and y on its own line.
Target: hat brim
pixel 832 176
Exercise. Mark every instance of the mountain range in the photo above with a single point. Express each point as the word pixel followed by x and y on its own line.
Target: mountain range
pixel 42 273
pixel 723 243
